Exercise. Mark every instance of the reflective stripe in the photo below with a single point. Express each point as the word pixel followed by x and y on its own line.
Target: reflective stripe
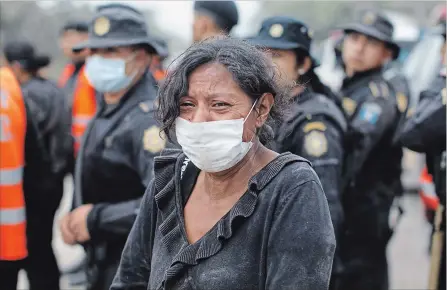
pixel 12 216
pixel 81 120
pixel 11 176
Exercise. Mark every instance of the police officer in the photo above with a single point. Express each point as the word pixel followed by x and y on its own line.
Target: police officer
pixel 114 163
pixel 213 18
pixel 316 126
pixel 425 132
pixel 48 107
pixel 372 164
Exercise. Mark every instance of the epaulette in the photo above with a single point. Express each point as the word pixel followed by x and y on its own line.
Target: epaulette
pixel 379 89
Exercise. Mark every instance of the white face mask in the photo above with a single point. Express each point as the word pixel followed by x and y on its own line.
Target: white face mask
pixel 213 146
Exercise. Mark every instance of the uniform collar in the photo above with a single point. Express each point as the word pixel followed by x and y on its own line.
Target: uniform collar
pixel 305 95
pixel 360 76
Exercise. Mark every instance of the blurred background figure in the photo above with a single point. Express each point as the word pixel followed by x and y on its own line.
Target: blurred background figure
pixel 160 55
pixel 25 172
pixel 425 132
pixel 72 34
pixel 368 188
pixel 212 18
pixel 48 108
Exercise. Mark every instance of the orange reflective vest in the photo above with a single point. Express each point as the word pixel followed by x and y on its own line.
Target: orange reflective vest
pixel 12 150
pixel 159 75
pixel 427 191
pixel 84 103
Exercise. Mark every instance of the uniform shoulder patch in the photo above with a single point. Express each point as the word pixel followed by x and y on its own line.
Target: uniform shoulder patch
pixel 315 143
pixel 402 102
pixel 349 105
pixel 152 141
pixel 144 107
pixel 314 126
pixel 370 112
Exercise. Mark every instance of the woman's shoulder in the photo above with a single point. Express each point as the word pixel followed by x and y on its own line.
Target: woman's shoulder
pixel 287 171
pixel 298 172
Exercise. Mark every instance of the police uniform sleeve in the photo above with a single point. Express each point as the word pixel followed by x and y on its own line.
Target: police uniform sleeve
pixel 135 265
pixel 374 117
pixel 321 142
pixel 37 171
pixel 425 130
pixel 118 218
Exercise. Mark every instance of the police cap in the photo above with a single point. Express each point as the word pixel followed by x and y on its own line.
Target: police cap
pixel 224 13
pixel 23 53
pixel 284 33
pixel 374 25
pixel 117 25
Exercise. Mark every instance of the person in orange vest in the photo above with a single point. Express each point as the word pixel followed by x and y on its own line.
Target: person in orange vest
pixel 73 33
pixel 81 95
pixel 49 110
pixel 114 163
pixel 156 65
pixel 22 155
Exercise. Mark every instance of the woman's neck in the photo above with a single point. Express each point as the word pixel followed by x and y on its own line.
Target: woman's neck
pixel 235 180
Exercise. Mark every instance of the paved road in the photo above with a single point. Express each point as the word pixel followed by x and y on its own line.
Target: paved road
pixel 407 251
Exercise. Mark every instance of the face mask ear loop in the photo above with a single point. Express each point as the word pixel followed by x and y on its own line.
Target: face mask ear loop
pixel 252 107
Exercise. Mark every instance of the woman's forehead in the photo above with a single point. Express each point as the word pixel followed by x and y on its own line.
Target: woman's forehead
pixel 212 79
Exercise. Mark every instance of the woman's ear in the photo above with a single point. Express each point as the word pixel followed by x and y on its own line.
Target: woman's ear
pixel 263 109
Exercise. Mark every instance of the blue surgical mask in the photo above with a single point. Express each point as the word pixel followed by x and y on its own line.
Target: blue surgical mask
pixel 107 75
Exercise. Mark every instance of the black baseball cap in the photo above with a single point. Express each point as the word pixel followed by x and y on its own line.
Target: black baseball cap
pixel 23 53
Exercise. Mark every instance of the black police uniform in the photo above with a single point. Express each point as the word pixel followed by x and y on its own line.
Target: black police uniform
pixel 114 163
pixel 425 132
pixel 315 130
pixel 47 104
pixel 316 126
pixel 372 166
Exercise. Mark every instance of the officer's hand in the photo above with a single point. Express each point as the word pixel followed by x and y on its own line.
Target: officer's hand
pixel 78 223
pixel 67 235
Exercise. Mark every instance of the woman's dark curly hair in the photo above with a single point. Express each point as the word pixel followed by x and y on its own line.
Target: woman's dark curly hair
pixel 251 68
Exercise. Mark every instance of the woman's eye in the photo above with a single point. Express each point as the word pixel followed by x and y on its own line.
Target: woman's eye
pixel 220 104
pixel 186 104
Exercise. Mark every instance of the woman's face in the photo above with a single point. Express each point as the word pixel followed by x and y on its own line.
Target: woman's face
pixel 214 96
